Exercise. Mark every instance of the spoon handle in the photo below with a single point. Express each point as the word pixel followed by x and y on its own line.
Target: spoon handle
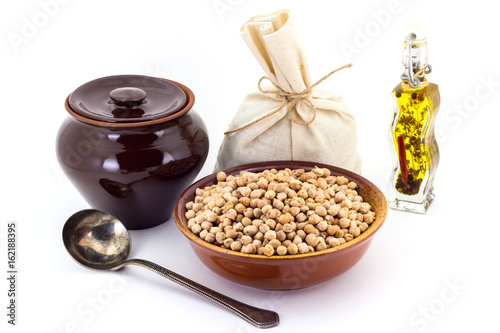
pixel 255 316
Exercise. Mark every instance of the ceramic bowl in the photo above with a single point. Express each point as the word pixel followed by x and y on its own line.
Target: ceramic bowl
pixel 290 271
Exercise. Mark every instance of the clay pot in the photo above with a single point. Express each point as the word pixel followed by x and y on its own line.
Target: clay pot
pixel 131 145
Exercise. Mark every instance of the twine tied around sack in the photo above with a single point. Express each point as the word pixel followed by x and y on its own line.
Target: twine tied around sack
pixel 288 99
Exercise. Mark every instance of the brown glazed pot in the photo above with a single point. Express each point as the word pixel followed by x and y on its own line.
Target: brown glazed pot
pixel 290 271
pixel 131 145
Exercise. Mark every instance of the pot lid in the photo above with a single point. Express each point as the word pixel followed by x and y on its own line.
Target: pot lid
pixel 127 99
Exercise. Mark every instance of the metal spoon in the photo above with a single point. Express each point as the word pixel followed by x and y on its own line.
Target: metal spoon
pixel 98 240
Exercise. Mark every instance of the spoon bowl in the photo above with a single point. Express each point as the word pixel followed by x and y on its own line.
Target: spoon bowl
pixel 98 240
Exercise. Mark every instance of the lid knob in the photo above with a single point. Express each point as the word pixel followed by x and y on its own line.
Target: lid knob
pixel 127 96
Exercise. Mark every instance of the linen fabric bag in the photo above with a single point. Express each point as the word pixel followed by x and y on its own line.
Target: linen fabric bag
pixel 288 119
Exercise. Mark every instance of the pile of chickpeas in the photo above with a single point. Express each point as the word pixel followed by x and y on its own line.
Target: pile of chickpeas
pixel 279 212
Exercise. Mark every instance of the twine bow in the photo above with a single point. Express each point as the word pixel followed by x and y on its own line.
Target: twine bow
pixel 288 99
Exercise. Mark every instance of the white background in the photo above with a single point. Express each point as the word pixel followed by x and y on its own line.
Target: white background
pixel 423 273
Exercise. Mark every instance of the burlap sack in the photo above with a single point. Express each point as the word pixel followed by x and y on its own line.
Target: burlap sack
pixel 289 118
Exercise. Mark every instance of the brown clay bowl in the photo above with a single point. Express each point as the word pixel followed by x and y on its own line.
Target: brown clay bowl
pixel 290 271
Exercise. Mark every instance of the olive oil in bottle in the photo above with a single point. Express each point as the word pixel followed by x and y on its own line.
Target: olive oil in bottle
pixel 412 141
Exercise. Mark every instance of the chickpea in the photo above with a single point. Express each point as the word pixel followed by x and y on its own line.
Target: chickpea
pixel 355 231
pixel 339 197
pixel 322 226
pixel 271 234
pixel 245 239
pixel 321 246
pixel 297 240
pixel 268 250
pixel 344 222
pixel 271 194
pixel 245 221
pixel 333 242
pixel 281 236
pixel 321 211
pixel 312 240
pixel 211 217
pixel 315 219
pixel 231 233
pixel 257 222
pixel 363 226
pixel 190 223
pixel 262 183
pixel 281 250
pixel 271 223
pixel 348 237
pixel 301 217
pixel 253 186
pixel 220 237
pixel 264 228
pixel 198 206
pixel 292 248
pixel 280 187
pixel 206 225
pixel 249 249
pixel 257 243
pixel 303 194
pixel 358 198
pixel 342 180
pixel 333 210
pixel 343 212
pixel 302 248
pixel 227 242
pixel 281 196
pixel 266 209
pixel 310 229
pixel 359 217
pixel 210 238
pixel 278 204
pixel 364 208
pixel 294 211
pixel 190 214
pixel 231 214
pixel 255 194
pixel 368 218
pixel 332 229
pixel 257 213
pixel 352 215
pixel 262 203
pixel 322 184
pixel 214 230
pixel 199 218
pixel 295 184
pixel 287 227
pixel 274 243
pixel 196 228
pixel 250 230
pixel 259 236
pixel 339 233
pixel 346 203
pixel 319 199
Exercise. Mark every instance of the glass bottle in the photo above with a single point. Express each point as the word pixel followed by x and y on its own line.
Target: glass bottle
pixel 413 145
